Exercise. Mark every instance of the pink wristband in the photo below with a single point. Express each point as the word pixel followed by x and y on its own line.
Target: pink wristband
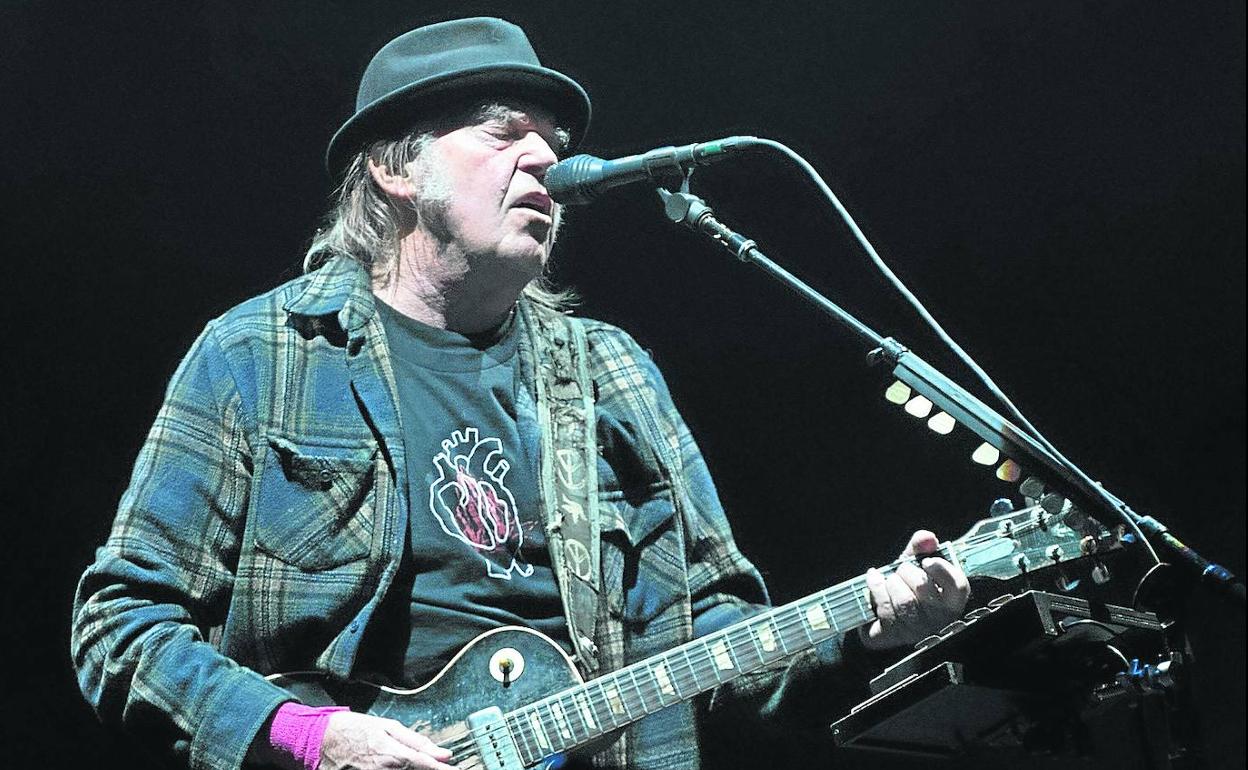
pixel 297 731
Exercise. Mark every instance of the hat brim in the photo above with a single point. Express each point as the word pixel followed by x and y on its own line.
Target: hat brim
pixel 403 108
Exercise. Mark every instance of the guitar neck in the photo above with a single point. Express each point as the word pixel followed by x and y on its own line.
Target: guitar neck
pixel 576 716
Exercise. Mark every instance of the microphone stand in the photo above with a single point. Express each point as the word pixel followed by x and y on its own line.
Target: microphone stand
pixel 686 209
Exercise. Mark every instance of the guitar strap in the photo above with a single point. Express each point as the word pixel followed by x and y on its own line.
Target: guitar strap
pixel 568 469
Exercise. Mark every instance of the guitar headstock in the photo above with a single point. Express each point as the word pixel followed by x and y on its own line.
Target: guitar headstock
pixel 1047 534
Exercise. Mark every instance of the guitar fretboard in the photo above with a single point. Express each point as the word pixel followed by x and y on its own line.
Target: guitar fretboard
pixel 578 715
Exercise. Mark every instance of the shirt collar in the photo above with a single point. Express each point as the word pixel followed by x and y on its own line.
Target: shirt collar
pixel 340 287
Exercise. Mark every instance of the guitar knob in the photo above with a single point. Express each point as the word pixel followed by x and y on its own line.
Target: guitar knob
pixel 506 666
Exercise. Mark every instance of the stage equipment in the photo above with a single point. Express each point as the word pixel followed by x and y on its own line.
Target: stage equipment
pixel 1024 446
pixel 1038 674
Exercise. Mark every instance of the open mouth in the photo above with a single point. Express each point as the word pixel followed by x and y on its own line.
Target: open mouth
pixel 539 203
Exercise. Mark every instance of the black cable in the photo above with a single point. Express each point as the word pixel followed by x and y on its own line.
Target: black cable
pixel 1091 487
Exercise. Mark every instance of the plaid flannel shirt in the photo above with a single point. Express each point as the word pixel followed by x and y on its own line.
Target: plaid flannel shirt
pixel 269 502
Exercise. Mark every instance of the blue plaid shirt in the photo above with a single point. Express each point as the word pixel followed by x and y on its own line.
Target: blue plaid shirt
pixel 267 513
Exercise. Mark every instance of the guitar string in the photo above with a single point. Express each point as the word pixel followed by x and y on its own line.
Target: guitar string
pixel 783 626
pixel 783 619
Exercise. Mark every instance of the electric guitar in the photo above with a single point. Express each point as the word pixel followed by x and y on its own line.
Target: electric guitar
pixel 513 699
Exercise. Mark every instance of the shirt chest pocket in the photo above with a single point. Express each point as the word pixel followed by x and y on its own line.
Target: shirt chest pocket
pixel 643 556
pixel 315 505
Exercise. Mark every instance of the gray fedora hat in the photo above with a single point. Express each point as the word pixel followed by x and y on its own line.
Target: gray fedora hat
pixel 448 63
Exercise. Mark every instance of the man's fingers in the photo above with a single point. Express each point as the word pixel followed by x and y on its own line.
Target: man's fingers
pixel 879 595
pixel 917 581
pixel 901 596
pixel 955 589
pixel 418 750
pixel 921 542
pixel 415 740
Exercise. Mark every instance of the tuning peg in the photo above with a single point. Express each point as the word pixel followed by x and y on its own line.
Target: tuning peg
pixel 1000 507
pixel 1031 487
pixel 1052 503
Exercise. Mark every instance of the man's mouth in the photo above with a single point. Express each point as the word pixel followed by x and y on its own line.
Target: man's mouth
pixel 536 201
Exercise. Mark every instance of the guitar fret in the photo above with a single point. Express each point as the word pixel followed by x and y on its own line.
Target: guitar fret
pixel 808 617
pixel 743 646
pixel 560 720
pixel 587 708
pixel 521 736
pixel 867 612
pixel 707 660
pixel 721 652
pixel 846 617
pixel 641 695
pixel 614 695
pixel 616 704
pixel 792 630
pixel 693 669
pixel 551 726
pixel 662 677
pixel 543 740
pixel 595 705
pixel 580 726
pixel 752 631
pixel 768 635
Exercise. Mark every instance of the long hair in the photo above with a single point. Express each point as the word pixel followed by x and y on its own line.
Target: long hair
pixel 365 225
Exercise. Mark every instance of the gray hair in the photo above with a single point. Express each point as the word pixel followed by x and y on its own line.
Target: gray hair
pixel 365 225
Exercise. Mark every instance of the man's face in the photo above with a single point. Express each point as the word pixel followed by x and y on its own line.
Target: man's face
pixel 480 189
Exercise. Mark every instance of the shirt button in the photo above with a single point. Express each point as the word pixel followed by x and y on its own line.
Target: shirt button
pixel 327 475
pixel 355 627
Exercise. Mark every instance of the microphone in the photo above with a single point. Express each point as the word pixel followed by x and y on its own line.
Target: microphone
pixel 582 178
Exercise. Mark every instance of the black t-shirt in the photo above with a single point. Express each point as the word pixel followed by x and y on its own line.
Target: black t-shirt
pixel 477 556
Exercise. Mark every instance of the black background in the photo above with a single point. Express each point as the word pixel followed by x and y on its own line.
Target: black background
pixel 1061 183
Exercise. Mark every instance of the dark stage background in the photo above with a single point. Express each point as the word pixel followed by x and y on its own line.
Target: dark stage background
pixel 1062 183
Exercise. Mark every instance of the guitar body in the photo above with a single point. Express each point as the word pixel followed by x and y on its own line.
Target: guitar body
pixel 512 698
pixel 472 681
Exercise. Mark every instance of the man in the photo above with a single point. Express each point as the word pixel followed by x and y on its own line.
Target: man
pixel 361 471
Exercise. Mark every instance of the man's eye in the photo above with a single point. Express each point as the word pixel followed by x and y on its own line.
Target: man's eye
pixel 501 132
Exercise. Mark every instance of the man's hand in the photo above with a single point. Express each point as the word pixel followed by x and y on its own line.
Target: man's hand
pixel 915 601
pixel 365 742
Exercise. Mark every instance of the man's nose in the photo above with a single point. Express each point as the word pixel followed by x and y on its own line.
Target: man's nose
pixel 537 155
